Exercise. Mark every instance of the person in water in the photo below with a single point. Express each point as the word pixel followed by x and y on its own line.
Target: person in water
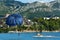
pixel 39 34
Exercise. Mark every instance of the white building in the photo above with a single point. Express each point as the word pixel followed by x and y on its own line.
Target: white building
pixel 55 17
pixel 27 22
pixel 46 18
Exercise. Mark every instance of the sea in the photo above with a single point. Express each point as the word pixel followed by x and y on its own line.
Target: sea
pixel 30 36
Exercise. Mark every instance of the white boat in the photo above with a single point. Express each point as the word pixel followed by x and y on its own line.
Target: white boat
pixel 43 36
pixel 40 35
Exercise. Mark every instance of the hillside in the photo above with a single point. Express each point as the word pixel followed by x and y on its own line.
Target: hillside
pixel 30 10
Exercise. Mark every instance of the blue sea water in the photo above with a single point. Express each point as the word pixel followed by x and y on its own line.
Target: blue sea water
pixel 29 36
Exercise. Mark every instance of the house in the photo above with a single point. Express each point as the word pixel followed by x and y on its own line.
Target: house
pixel 56 17
pixel 47 17
pixel 27 22
pixel 51 17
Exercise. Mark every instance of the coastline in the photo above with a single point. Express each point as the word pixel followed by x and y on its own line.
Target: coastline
pixel 30 31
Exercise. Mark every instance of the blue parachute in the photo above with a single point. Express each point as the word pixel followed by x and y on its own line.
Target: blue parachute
pixel 14 19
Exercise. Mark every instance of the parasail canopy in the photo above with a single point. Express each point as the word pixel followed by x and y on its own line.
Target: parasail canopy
pixel 14 19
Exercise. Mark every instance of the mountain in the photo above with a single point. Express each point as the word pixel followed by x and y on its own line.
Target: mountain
pixel 30 10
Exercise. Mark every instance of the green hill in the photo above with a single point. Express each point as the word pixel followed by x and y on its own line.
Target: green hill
pixel 30 10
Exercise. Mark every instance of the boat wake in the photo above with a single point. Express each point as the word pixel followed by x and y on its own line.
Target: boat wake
pixel 48 36
pixel 43 36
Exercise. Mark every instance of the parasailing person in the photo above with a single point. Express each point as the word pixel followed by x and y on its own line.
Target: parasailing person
pixel 14 20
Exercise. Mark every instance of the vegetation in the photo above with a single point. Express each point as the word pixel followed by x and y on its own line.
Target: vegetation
pixel 39 24
pixel 49 25
pixel 33 11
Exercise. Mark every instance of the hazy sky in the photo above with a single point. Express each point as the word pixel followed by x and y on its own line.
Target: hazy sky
pixel 25 1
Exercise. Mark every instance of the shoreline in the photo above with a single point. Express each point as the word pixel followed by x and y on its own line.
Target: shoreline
pixel 30 31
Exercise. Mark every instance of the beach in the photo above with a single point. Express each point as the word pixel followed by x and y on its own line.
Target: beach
pixel 30 31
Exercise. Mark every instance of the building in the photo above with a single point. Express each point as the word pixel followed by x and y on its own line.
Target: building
pixel 46 18
pixel 55 17
pixel 27 22
pixel 51 17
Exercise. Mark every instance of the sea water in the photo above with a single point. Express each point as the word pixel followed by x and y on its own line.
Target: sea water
pixel 29 36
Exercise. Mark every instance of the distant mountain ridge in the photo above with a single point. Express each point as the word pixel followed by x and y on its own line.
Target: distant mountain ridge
pixel 30 10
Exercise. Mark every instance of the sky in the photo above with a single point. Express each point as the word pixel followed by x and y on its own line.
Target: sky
pixel 30 1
